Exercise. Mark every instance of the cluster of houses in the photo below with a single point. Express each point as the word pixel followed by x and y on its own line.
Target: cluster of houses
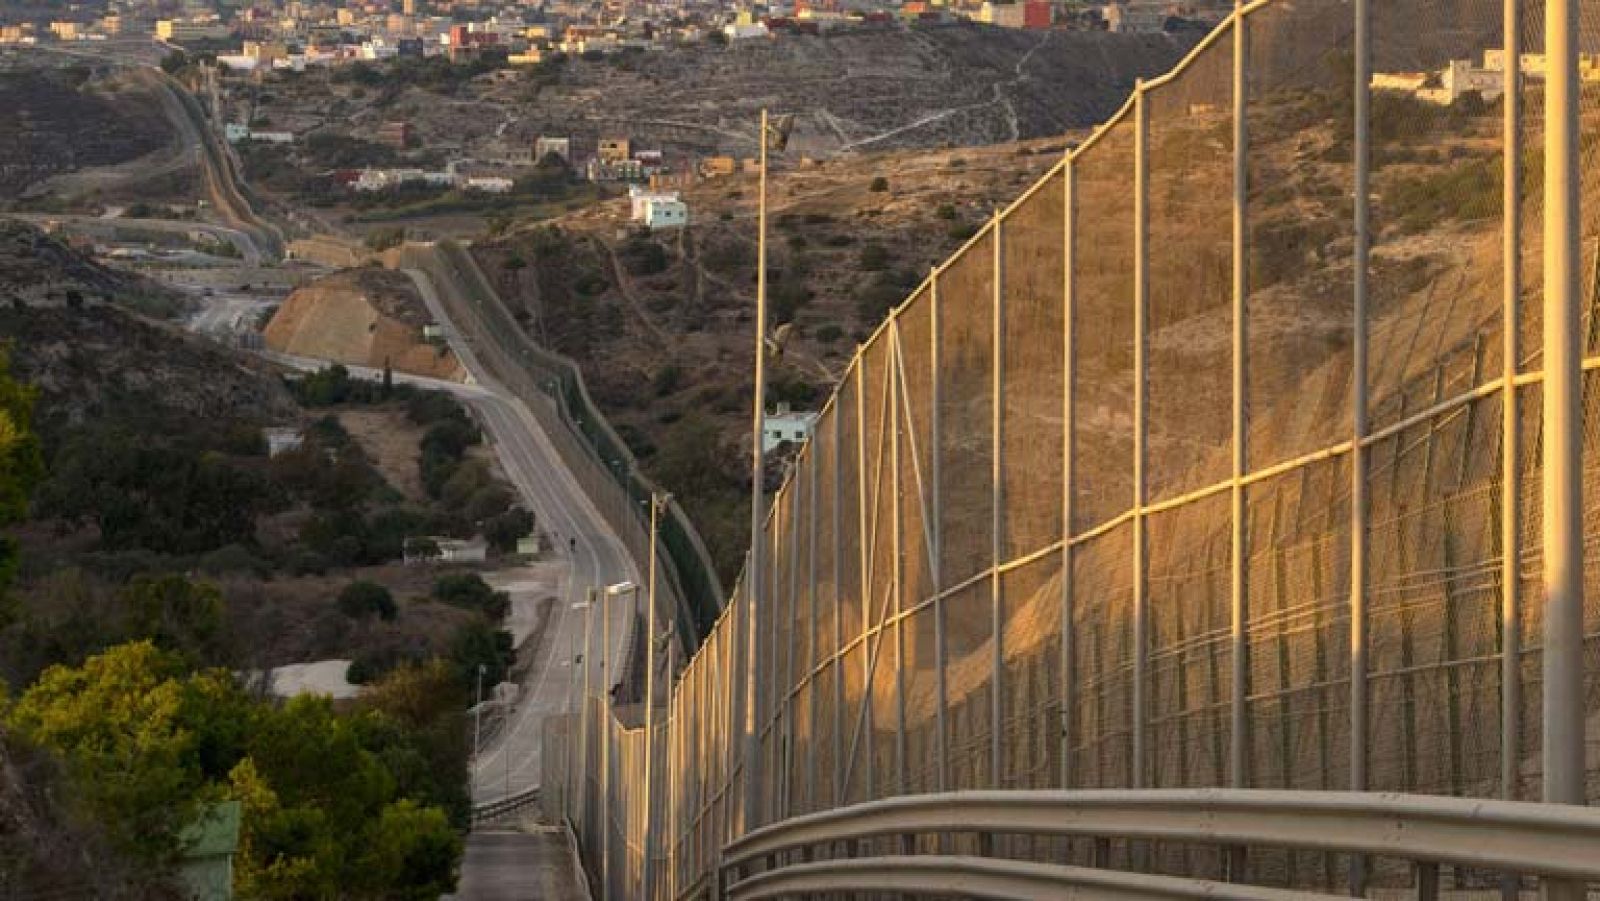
pixel 1461 77
pixel 295 34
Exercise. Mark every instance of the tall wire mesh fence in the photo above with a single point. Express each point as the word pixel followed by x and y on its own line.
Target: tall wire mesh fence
pixel 1081 513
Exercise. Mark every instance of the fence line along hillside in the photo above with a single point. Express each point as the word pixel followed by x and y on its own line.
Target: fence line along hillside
pixel 1213 460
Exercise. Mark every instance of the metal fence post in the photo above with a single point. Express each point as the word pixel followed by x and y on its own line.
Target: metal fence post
pixel 1358 452
pixel 1141 386
pixel 1510 416
pixel 897 538
pixel 864 586
pixel 1564 720
pixel 997 509
pixel 838 610
pixel 811 621
pixel 941 743
pixel 1068 484
pixel 1238 553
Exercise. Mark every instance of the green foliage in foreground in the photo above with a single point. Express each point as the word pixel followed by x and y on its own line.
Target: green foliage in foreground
pixel 21 464
pixel 356 805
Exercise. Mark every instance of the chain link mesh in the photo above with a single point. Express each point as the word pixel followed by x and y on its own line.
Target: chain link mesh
pixel 938 623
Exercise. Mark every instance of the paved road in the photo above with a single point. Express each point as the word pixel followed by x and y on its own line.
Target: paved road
pixel 512 763
pixel 518 866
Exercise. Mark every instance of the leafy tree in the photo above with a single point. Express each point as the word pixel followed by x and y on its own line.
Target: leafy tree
pixel 177 615
pixel 504 531
pixel 154 492
pixel 132 732
pixel 21 464
pixel 478 643
pixel 362 598
pixel 411 853
pixel 470 591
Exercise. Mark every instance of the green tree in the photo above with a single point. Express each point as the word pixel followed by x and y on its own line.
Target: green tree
pixel 176 614
pixel 471 592
pixel 21 464
pixel 411 853
pixel 135 734
pixel 362 598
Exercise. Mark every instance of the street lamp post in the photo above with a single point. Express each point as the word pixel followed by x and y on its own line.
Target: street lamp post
pixel 477 716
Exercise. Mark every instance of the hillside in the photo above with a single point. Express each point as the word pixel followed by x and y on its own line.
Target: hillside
pixel 362 317
pixel 854 90
pixel 661 324
pixel 61 121
pixel 75 339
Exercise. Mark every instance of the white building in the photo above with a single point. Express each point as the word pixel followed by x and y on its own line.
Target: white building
pixel 1126 18
pixel 455 551
pixel 282 440
pixel 666 213
pixel 543 147
pixel 489 184
pixel 738 32
pixel 784 425
pixel 639 198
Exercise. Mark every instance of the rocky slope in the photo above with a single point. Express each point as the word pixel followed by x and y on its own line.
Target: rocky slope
pixel 362 317
pixel 88 354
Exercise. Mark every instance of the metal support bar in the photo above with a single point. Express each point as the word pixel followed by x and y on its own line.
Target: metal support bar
pixel 1510 417
pixel 1238 554
pixel 897 565
pixel 838 607
pixel 813 654
pixel 1564 720
pixel 1358 378
pixel 650 836
pixel 1069 355
pixel 997 507
pixel 755 584
pixel 863 584
pixel 935 454
pixel 1139 763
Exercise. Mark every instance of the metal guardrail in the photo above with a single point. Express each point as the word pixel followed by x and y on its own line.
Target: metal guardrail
pixel 1521 838
pixel 983 877
pixel 503 806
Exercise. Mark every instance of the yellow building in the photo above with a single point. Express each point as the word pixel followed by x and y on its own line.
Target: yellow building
pixel 66 31
pixel 614 150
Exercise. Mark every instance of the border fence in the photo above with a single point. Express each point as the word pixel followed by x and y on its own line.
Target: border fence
pixel 555 391
pixel 1236 453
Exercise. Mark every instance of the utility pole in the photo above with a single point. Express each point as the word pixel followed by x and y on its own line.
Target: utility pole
pixel 657 500
pixel 1563 702
pixel 754 582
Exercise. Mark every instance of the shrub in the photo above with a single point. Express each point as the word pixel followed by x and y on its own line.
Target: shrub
pixel 470 592
pixel 362 598
pixel 874 257
pixel 879 185
pixel 504 531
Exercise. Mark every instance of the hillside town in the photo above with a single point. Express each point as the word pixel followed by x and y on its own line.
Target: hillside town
pixel 295 34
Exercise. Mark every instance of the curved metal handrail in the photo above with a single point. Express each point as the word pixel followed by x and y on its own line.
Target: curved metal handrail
pixel 985 877
pixel 1514 836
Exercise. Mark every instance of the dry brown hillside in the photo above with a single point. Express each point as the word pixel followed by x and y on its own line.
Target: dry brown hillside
pixel 661 324
pixel 362 317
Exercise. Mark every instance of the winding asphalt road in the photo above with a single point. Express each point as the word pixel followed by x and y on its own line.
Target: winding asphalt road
pixel 512 764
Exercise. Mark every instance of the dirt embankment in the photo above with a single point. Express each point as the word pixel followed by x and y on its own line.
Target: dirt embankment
pixel 362 317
